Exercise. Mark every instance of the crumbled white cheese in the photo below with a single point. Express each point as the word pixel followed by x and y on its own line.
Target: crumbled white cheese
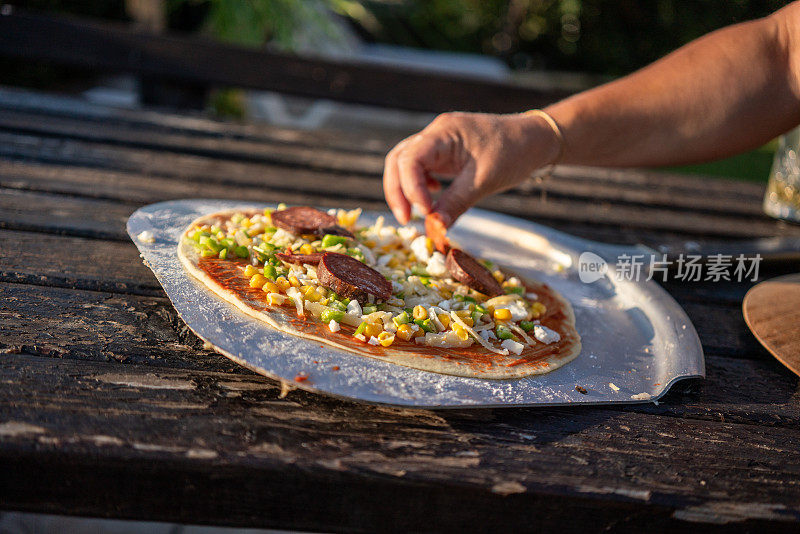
pixel 641 396
pixel 360 337
pixel 354 308
pixel 396 287
pixel 333 326
pixel 436 266
pixel 369 257
pixel 545 335
pixel 373 341
pixel 518 311
pixel 146 237
pixel 512 346
pixel 407 233
pixel 420 248
pixel 446 305
pixel 532 296
pixel 613 386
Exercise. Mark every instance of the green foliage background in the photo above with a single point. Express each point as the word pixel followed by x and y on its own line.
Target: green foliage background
pixel 604 37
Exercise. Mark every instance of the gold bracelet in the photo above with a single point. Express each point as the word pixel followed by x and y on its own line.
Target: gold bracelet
pixel 556 130
pixel 548 171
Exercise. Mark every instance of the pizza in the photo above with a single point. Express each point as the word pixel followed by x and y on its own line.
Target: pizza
pixel 380 291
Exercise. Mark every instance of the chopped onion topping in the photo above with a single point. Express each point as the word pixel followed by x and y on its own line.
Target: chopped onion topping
pixel 521 333
pixel 479 339
pixel 297 298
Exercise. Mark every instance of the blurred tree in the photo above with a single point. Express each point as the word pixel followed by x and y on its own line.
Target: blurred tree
pixel 600 36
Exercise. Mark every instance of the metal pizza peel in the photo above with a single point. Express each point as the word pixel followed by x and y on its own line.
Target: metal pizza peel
pixel 637 341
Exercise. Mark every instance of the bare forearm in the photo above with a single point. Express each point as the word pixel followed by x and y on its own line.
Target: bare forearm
pixel 727 92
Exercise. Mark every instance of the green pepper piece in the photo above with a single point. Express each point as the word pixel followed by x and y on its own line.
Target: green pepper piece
pixel 425 324
pixel 208 253
pixel 476 316
pixel 214 245
pixel 516 290
pixel 527 325
pixel 369 309
pixel 503 332
pixel 241 251
pixel 223 254
pixel 403 318
pixel 329 315
pixel 361 328
pixel 270 272
pixel 419 270
pixel 337 305
pixel 330 240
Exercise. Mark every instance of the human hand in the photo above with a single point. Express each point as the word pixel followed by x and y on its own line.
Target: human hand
pixel 483 153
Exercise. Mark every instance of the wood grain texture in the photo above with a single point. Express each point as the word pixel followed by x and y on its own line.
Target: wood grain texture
pixel 568 183
pixel 206 430
pixel 558 208
pixel 47 105
pixel 109 406
pixel 772 311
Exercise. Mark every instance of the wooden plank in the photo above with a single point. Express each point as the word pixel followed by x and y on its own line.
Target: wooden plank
pixel 113 133
pixel 587 211
pixel 67 323
pixel 585 184
pixel 45 105
pixel 98 326
pixel 225 449
pixel 76 263
pixel 105 46
pixel 20 210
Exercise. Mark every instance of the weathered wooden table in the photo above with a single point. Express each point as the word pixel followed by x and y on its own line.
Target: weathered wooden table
pixel 109 406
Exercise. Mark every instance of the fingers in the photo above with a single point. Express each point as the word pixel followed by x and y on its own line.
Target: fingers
pixel 392 190
pixel 459 197
pixel 406 178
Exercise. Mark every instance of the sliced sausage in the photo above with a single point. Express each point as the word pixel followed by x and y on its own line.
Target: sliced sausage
pixel 307 220
pixel 469 271
pixel 436 230
pixel 300 259
pixel 350 278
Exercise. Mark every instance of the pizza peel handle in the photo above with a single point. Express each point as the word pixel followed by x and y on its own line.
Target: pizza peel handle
pixel 772 311
pixel 635 336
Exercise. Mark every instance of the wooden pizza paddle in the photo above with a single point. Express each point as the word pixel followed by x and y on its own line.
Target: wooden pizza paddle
pixel 772 311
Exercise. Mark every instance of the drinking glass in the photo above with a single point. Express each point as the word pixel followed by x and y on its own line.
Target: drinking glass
pixel 782 199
